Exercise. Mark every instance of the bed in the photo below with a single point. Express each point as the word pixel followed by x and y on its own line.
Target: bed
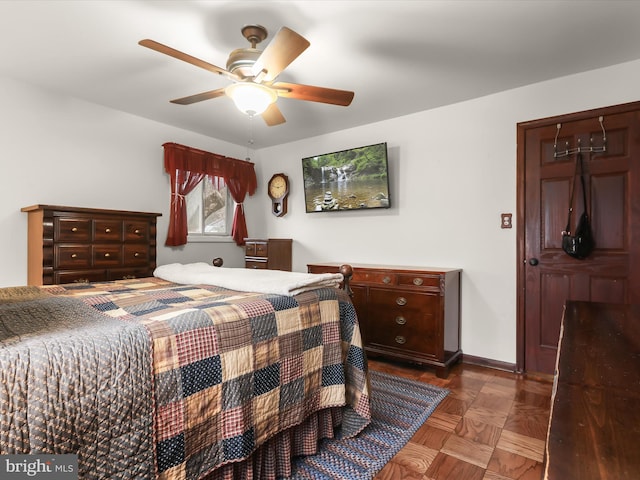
pixel 180 377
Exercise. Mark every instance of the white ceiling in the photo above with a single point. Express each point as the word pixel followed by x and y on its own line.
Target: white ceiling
pixel 399 57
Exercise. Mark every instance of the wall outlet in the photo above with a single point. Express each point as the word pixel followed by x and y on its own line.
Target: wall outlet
pixel 505 220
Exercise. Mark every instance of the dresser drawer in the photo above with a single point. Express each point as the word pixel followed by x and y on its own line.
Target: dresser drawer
pixel 256 249
pixel 79 276
pixel 417 280
pixel 72 230
pixel 372 276
pixel 107 255
pixel 387 319
pixel 72 256
pixel 135 255
pixel 398 298
pixel 107 230
pixel 420 344
pixel 255 264
pixel 262 250
pixel 250 249
pixel 127 273
pixel 136 231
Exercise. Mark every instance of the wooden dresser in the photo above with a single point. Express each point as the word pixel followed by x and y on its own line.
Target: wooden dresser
pixel 272 253
pixel 72 244
pixel 407 313
pixel 594 430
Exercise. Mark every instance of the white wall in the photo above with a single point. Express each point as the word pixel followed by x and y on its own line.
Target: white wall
pixel 453 172
pixel 63 151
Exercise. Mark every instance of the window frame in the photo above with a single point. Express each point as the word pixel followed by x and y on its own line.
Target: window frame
pixel 211 237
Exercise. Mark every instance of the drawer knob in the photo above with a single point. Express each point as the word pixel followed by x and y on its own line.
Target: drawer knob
pixel 128 277
pixel 74 229
pixel 137 231
pixel 401 301
pixel 400 320
pixel 81 280
pixel 107 230
pixel 74 255
pixel 418 281
pixel 400 339
pixel 136 254
pixel 107 255
pixel 386 280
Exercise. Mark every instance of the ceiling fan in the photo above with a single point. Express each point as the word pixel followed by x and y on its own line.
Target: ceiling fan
pixel 254 72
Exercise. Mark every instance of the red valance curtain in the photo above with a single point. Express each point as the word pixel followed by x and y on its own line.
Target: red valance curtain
pixel 187 166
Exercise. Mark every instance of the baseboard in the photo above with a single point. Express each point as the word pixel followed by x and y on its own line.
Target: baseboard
pixel 487 362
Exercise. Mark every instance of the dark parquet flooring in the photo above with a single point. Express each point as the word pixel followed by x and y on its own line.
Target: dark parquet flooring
pixel 492 426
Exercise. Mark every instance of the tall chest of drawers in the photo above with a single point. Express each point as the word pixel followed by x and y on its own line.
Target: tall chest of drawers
pixel 271 253
pixel 72 244
pixel 407 313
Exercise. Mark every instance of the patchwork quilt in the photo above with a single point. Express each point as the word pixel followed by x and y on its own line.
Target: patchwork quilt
pixel 225 370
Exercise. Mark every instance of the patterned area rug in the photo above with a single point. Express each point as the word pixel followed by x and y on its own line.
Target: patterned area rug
pixel 399 407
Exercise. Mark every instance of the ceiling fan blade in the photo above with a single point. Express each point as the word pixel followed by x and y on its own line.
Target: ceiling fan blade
pixel 199 97
pixel 313 94
pixel 285 47
pixel 273 116
pixel 172 52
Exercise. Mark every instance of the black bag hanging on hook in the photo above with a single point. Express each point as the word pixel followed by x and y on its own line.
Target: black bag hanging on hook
pixel 581 244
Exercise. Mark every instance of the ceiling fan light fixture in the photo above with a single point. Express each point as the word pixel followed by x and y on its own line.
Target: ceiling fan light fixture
pixel 251 98
pixel 255 72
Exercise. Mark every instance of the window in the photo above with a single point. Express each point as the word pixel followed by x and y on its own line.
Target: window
pixel 209 210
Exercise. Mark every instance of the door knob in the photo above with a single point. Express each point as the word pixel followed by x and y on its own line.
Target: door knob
pixel 533 262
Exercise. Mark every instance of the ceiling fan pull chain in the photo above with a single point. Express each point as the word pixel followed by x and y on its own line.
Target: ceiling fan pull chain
pixel 250 142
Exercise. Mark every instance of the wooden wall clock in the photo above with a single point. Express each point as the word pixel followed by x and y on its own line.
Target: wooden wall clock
pixel 278 188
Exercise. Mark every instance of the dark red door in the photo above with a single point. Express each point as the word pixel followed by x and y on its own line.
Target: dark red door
pixel 547 276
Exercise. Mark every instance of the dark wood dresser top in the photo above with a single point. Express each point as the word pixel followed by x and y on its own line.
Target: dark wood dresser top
pixel 594 430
